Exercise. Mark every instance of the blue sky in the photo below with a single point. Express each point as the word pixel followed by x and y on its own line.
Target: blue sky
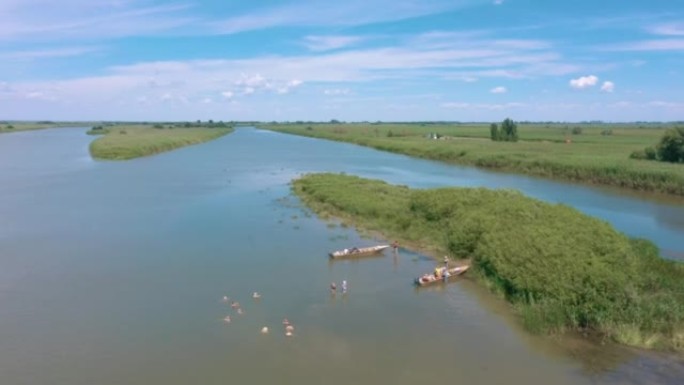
pixel 352 60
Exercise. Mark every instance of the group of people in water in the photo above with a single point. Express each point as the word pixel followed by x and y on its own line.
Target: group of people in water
pixel 289 328
pixel 333 287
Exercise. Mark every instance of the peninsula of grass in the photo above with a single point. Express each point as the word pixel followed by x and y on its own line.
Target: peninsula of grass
pixel 121 142
pixel 12 126
pixel 597 154
pixel 560 269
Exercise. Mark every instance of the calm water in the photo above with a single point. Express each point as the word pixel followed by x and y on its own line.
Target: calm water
pixel 113 273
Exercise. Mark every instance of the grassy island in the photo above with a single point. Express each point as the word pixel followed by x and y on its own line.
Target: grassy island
pixel 598 153
pixel 11 126
pixel 120 142
pixel 560 269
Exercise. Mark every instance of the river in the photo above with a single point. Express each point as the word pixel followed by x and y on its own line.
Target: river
pixel 114 273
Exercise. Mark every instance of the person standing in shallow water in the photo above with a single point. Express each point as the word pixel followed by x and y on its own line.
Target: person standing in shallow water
pixel 333 288
pixel 344 287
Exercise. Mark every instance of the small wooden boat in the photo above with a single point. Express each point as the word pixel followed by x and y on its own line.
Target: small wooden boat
pixel 358 251
pixel 428 279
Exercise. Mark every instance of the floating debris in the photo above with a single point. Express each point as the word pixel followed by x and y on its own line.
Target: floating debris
pixel 264 330
pixel 227 319
pixel 225 298
pixel 256 295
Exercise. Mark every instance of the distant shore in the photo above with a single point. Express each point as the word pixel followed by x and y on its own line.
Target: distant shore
pixel 588 153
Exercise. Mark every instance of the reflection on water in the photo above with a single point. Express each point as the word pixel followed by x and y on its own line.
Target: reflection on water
pixel 113 272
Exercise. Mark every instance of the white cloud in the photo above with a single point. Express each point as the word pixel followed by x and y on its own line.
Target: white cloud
pixel 83 20
pixel 498 2
pixel 227 94
pixel 328 13
pixel 584 82
pixel 647 45
pixel 337 91
pixel 47 53
pixel 207 101
pixel 498 90
pixel 668 29
pixel 608 86
pixel 482 106
pixel 327 43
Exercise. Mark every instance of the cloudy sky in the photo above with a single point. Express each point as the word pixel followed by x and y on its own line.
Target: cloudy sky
pixel 352 60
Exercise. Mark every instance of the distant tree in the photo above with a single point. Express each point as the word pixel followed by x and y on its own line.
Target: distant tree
pixel 494 132
pixel 509 131
pixel 671 146
pixel 334 121
pixel 577 130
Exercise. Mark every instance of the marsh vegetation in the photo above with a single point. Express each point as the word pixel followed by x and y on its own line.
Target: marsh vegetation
pixel 561 270
pixel 120 142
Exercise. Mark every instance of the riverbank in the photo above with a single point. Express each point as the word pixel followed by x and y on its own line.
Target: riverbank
pixel 596 154
pixel 12 126
pixel 121 142
pixel 560 269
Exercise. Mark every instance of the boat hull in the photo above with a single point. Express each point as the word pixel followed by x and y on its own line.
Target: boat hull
pixel 358 252
pixel 429 279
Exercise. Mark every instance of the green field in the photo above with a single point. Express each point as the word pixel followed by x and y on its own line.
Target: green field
pixel 599 155
pixel 120 142
pixel 562 270
pixel 10 126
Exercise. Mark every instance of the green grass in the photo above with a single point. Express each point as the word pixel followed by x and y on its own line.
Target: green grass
pixel 542 150
pixel 133 141
pixel 10 126
pixel 561 269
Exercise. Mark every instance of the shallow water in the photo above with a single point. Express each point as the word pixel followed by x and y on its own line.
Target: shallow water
pixel 113 273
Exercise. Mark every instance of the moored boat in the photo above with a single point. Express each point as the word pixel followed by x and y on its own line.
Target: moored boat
pixel 427 279
pixel 357 251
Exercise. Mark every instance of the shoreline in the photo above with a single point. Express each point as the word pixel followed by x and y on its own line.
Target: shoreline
pixel 131 142
pixel 523 158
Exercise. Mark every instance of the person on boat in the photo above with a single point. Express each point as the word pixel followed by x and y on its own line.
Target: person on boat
pixel 395 245
pixel 438 272
pixel 354 250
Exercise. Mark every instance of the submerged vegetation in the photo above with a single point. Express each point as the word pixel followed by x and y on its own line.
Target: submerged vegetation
pixel 561 269
pixel 591 153
pixel 119 142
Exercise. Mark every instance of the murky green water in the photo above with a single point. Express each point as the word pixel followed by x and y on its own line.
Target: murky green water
pixel 113 273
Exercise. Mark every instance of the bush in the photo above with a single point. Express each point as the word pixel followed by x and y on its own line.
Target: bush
pixel 607 132
pixel 671 146
pixel 577 130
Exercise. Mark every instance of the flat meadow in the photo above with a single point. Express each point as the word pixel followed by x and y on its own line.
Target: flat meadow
pixel 590 153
